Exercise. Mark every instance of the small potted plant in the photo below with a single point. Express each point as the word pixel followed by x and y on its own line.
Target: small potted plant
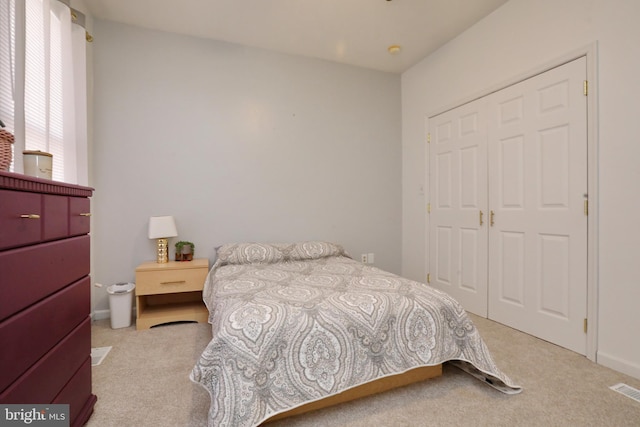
pixel 184 251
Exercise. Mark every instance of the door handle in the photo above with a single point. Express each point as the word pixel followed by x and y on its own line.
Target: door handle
pixel 491 215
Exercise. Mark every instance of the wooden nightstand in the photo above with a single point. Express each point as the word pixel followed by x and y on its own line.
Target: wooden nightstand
pixel 170 292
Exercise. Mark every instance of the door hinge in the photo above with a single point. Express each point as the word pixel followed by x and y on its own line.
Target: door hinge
pixel 428 208
pixel 585 87
pixel 428 277
pixel 428 137
pixel 586 208
pixel 585 325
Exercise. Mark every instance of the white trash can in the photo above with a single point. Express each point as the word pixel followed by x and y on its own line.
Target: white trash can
pixel 121 303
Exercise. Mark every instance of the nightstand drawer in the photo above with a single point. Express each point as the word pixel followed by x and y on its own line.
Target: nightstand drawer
pixel 170 281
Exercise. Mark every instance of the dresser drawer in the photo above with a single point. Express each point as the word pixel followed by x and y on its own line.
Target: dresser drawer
pixel 75 395
pixel 21 218
pixel 79 215
pixel 28 335
pixel 29 218
pixel 44 380
pixel 55 221
pixel 170 281
pixel 32 273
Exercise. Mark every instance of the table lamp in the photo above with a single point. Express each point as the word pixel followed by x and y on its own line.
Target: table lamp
pixel 162 227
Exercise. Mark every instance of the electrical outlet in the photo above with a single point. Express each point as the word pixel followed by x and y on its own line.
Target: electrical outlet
pixel 370 258
pixel 364 258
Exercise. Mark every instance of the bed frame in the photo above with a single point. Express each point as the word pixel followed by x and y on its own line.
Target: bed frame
pixel 368 389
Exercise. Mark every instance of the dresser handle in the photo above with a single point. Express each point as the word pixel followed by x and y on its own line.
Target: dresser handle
pixel 85 214
pixel 30 216
pixel 176 282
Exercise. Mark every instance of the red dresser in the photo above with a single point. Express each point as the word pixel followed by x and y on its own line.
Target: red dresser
pixel 45 294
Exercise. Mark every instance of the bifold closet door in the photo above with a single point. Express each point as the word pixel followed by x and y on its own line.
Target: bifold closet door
pixel 458 189
pixel 507 186
pixel 537 156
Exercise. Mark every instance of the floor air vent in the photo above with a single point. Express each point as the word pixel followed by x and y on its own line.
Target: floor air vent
pixel 628 391
pixel 98 354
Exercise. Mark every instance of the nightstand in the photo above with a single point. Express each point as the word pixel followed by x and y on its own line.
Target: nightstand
pixel 170 292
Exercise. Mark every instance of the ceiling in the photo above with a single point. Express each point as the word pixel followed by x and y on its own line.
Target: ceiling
pixel 355 32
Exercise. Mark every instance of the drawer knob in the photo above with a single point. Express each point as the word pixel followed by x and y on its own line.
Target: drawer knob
pixel 85 214
pixel 30 216
pixel 175 282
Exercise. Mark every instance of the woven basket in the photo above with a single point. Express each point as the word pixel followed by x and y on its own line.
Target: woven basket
pixel 6 139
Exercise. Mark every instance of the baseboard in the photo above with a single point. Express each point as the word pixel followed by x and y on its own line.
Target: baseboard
pixel 619 365
pixel 100 314
pixel 106 314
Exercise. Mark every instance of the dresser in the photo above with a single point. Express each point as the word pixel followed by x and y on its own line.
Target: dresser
pixel 45 294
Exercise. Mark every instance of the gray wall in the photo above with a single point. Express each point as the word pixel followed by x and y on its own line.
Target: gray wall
pixel 238 144
pixel 518 37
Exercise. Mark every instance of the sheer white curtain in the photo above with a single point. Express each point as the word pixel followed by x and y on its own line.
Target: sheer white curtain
pixel 7 61
pixel 43 84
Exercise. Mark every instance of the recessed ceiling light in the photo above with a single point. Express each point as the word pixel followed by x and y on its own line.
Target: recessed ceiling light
pixel 394 49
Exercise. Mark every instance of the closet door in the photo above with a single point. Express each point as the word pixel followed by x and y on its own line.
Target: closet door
pixel 537 187
pixel 458 218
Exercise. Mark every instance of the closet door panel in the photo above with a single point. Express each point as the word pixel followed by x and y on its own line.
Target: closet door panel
pixel 511 277
pixel 443 245
pixel 537 153
pixel 458 194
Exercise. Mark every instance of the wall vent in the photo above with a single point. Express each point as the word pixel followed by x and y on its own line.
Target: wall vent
pixel 628 391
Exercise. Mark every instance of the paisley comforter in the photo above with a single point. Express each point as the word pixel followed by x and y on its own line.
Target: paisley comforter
pixel 294 323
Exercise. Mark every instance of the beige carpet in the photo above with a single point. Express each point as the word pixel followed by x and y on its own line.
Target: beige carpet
pixel 144 381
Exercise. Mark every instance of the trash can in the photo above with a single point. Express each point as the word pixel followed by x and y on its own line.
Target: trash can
pixel 121 303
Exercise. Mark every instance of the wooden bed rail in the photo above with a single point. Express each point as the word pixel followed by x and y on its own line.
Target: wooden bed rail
pixel 368 389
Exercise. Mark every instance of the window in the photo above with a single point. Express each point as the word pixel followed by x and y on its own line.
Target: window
pixel 42 77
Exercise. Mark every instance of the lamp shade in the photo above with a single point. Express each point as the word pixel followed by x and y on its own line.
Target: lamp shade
pixel 161 227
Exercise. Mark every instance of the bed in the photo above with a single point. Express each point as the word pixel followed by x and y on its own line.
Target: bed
pixel 299 326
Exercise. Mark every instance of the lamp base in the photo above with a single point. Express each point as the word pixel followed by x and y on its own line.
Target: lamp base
pixel 163 251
